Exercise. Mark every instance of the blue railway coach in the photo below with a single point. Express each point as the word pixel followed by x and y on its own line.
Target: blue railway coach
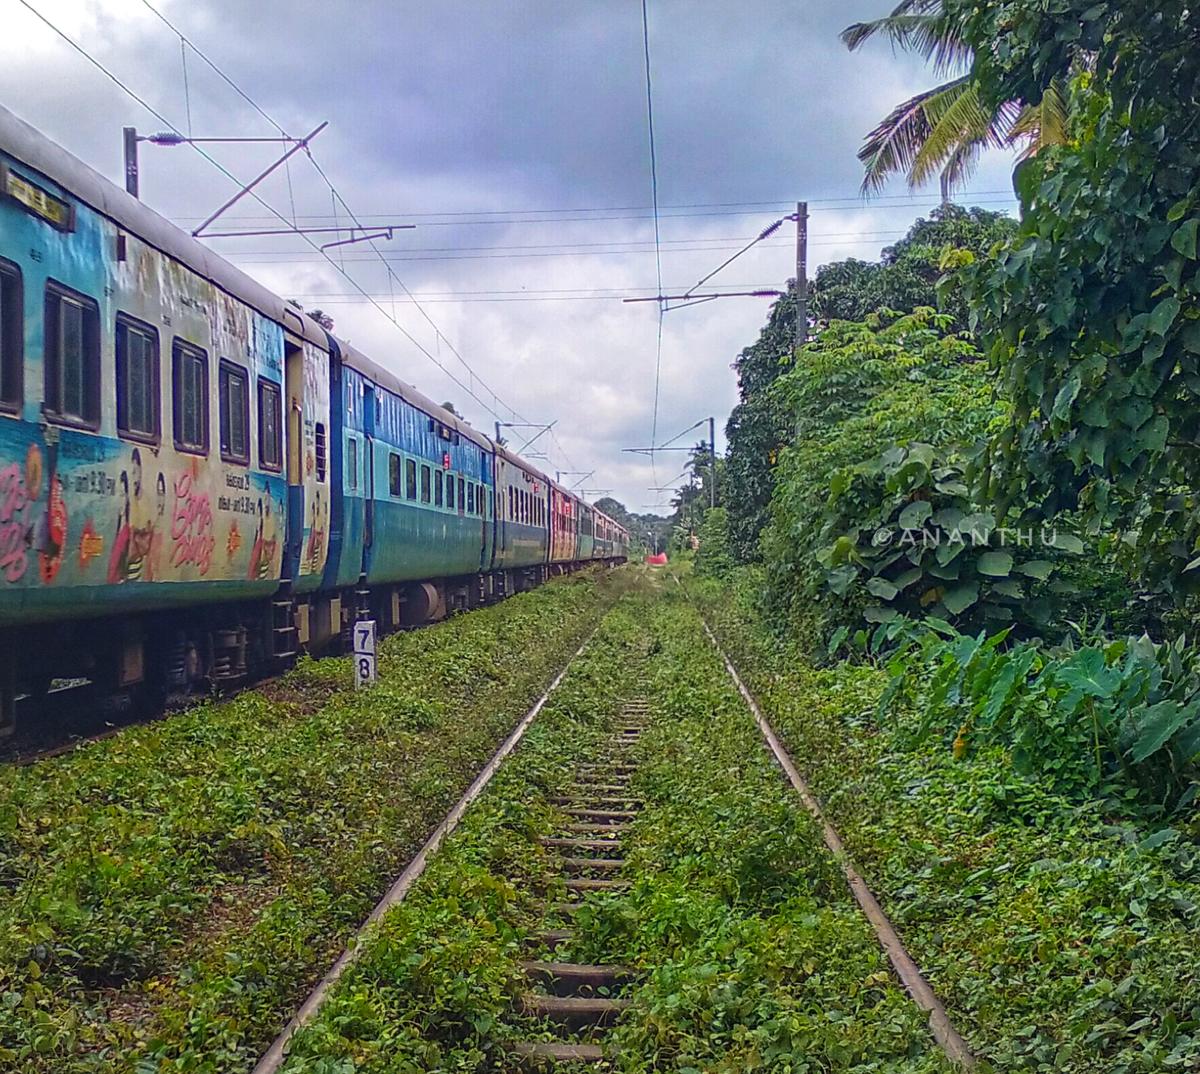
pixel 196 480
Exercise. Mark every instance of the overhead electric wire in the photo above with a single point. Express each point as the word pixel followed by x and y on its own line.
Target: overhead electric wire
pixel 852 202
pixel 657 235
pixel 282 258
pixel 702 245
pixel 275 213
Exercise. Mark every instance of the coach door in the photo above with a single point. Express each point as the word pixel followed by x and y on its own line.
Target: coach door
pixel 369 463
pixel 293 389
pixel 500 481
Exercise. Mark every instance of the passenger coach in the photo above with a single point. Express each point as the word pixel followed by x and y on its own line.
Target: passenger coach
pixel 197 481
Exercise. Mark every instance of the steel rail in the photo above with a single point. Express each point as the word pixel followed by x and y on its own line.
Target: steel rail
pixel 918 988
pixel 274 1057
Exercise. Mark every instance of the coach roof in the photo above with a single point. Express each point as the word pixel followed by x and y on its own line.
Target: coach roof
pixel 40 154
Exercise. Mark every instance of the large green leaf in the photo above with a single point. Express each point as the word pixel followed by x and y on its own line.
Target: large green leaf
pixel 977 526
pixel 881 588
pixel 1065 397
pixel 840 579
pixel 995 564
pixel 1035 568
pixel 1184 239
pixel 913 516
pixel 878 614
pixel 1154 725
pixel 1068 542
pixel 1087 673
pixel 958 600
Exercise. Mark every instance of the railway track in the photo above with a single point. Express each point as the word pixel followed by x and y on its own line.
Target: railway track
pixel 579 1000
pixel 576 998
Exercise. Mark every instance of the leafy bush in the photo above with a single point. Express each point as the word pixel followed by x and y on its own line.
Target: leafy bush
pixel 902 529
pixel 1120 718
pixel 857 392
pixel 713 557
pixel 1090 316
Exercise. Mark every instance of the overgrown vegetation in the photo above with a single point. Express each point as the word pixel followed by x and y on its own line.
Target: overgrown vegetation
pixel 1059 932
pixel 749 953
pixel 169 894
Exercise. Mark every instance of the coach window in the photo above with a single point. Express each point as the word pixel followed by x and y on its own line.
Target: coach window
pixel 450 490
pixel 270 440
pixel 352 464
pixel 437 488
pixel 12 338
pixel 462 494
pixel 394 483
pixel 137 380
pixel 190 365
pixel 233 390
pixel 410 479
pixel 481 500
pixel 321 448
pixel 72 334
pixel 470 498
pixel 426 485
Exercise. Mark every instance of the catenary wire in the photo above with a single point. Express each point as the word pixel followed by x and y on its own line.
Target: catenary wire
pixel 220 167
pixel 337 198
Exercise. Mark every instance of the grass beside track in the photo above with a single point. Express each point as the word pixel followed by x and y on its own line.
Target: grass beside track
pixel 1059 938
pixel 750 954
pixel 167 896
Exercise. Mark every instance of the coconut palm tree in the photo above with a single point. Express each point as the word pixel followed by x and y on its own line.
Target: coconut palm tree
pixel 943 130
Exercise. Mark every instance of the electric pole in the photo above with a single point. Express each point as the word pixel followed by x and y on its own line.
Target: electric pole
pixel 801 273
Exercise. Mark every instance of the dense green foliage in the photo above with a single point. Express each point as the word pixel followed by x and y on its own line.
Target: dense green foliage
pixel 712 557
pixel 1060 937
pixel 758 428
pixel 902 281
pixel 1090 316
pixel 873 515
pixel 1117 719
pixel 168 893
pixel 906 275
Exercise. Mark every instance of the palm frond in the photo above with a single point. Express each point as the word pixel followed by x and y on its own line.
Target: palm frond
pixel 958 168
pixel 919 26
pixel 893 145
pixel 958 120
pixel 1042 124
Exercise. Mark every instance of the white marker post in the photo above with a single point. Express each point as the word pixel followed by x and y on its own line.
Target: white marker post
pixel 364 653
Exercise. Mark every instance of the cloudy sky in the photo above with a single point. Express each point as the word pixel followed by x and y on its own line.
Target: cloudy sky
pixel 514 134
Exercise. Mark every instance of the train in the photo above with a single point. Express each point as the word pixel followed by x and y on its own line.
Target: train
pixel 198 481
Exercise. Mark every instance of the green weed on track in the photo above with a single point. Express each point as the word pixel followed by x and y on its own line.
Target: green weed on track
pixel 168 895
pixel 749 953
pixel 1059 938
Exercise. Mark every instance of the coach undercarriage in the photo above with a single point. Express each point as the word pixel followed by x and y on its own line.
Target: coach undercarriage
pixel 146 661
